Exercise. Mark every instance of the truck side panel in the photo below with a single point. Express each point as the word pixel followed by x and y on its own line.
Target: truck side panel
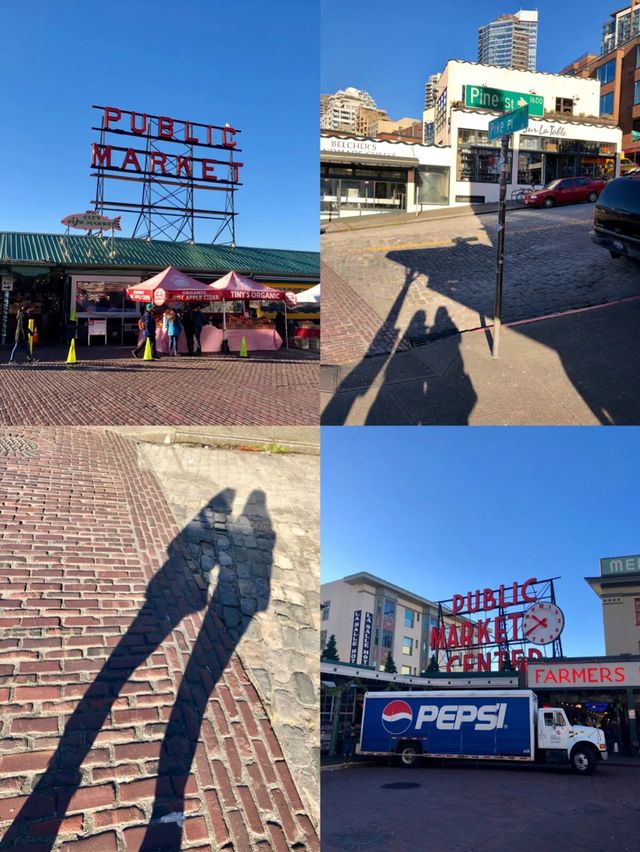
pixel 490 726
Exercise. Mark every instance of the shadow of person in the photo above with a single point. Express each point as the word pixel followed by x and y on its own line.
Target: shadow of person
pixel 387 339
pixel 177 590
pixel 450 398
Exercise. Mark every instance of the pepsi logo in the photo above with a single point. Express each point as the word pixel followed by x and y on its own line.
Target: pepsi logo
pixel 396 717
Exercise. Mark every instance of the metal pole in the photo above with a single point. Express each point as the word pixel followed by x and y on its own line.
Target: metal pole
pixel 286 327
pixel 497 311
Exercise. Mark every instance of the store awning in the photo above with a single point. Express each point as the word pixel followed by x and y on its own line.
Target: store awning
pixel 368 160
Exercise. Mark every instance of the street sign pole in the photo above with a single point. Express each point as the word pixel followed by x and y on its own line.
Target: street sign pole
pixel 502 209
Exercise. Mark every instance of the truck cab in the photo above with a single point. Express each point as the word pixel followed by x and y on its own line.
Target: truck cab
pixel 559 741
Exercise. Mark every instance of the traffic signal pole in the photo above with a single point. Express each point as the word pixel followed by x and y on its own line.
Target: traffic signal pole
pixel 502 209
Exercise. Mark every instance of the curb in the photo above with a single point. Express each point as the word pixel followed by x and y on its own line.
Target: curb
pixel 303 440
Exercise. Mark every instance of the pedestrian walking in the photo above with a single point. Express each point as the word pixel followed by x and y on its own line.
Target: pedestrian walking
pixel 148 326
pixel 23 333
pixel 172 325
pixel 349 743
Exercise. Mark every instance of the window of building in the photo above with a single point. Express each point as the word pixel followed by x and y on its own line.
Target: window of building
pixel 636 93
pixel 323 639
pixel 407 646
pixel 638 56
pixel 405 670
pixel 607 72
pixel 376 637
pixel 326 606
pixel 564 106
pixel 389 608
pixel 409 617
pixel 480 165
pixel 637 603
pixel 606 104
pixel 387 639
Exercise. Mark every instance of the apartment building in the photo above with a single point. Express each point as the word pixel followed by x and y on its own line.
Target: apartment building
pixel 510 41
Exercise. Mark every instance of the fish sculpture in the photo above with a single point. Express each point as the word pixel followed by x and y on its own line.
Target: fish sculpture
pixel 91 221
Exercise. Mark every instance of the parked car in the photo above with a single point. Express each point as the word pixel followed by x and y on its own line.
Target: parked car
pixel 565 191
pixel 626 165
pixel 616 218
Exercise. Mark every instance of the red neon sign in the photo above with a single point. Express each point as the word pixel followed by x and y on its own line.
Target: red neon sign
pixel 487 599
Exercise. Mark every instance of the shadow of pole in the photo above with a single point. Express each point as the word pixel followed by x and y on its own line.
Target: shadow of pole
pixel 242 590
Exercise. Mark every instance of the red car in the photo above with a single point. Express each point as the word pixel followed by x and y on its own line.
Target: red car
pixel 565 191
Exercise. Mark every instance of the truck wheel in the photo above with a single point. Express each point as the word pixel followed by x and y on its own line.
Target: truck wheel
pixel 582 761
pixel 408 755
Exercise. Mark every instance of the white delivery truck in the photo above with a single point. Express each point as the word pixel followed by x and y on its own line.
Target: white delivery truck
pixel 487 724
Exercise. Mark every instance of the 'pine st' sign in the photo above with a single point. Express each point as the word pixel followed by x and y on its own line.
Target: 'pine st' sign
pixel 502 100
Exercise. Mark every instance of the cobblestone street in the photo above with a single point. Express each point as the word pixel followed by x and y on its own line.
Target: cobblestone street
pixel 458 808
pixel 436 277
pixel 267 388
pixel 156 651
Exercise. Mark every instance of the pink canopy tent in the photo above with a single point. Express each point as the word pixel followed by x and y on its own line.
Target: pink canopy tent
pixel 234 287
pixel 170 285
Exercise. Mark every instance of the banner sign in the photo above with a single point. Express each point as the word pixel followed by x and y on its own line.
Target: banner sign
pixel 567 674
pixel 355 636
pixel 612 565
pixel 366 637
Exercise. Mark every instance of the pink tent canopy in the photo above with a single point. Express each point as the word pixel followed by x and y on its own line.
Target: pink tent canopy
pixel 170 285
pixel 233 286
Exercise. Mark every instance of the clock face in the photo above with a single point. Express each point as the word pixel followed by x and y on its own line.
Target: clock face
pixel 542 623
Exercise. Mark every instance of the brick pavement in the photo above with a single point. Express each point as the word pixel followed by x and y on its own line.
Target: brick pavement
pixel 110 652
pixel 475 807
pixel 112 388
pixel 431 278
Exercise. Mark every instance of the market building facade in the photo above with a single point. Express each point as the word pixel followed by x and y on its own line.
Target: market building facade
pixel 84 278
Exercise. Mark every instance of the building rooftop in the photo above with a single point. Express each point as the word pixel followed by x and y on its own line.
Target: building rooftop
pixel 101 252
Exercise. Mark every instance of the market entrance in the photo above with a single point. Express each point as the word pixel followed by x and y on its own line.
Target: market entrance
pixel 597 709
pixel 42 291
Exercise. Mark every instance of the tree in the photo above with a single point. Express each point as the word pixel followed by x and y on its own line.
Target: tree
pixel 331 651
pixel 390 666
pixel 433 664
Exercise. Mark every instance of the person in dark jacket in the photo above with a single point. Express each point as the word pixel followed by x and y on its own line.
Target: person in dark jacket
pixel 23 332
pixel 189 328
pixel 149 333
pixel 198 325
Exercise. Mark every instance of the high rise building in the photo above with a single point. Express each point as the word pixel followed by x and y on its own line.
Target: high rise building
pixel 510 41
pixel 617 69
pixel 623 26
pixel 349 111
pixel 430 90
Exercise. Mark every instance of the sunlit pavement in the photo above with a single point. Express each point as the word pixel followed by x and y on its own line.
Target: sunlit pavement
pixel 110 387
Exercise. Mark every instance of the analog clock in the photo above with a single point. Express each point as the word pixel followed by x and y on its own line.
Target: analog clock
pixel 542 623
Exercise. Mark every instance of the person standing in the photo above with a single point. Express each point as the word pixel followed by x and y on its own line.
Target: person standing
pixel 349 743
pixel 23 332
pixel 172 325
pixel 149 329
pixel 198 324
pixel 189 328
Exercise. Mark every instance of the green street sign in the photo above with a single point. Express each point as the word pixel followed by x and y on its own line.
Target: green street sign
pixel 510 122
pixel 501 100
pixel 619 565
pixel 635 135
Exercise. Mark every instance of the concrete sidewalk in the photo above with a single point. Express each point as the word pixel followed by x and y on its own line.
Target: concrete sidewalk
pixel 578 368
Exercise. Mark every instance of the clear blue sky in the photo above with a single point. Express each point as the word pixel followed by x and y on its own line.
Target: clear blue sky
pixel 390 49
pixel 441 511
pixel 252 64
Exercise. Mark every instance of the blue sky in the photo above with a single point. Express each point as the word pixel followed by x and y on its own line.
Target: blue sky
pixel 251 64
pixel 441 511
pixel 389 49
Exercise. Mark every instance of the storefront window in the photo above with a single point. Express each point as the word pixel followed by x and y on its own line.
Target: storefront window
pixel 636 93
pixel 432 185
pixel 606 104
pixel 479 165
pixel 477 137
pixel 529 168
pixel 42 291
pixel 607 72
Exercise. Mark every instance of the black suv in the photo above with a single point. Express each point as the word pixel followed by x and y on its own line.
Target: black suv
pixel 616 219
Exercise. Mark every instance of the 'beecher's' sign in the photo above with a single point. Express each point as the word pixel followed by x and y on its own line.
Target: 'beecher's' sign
pixel 147 161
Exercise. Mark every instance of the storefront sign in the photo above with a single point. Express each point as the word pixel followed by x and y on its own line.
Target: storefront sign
pixel 555 675
pixel 546 129
pixel 97 327
pixel 613 565
pixel 355 636
pixel 366 637
pixel 502 100
pixel 7 283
